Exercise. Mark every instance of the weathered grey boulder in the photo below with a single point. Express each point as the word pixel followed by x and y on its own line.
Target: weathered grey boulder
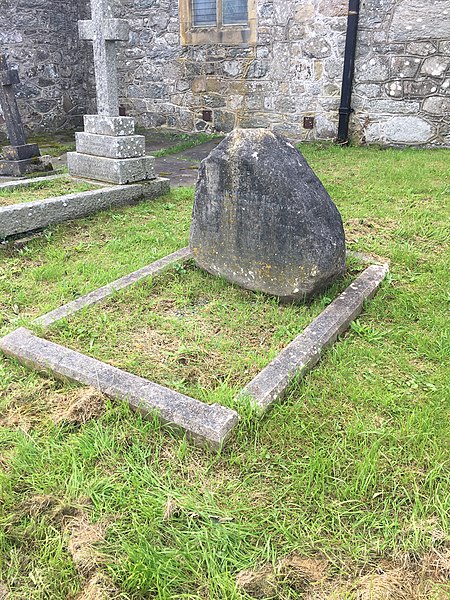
pixel 263 220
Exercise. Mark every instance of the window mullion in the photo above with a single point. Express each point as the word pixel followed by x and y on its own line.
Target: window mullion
pixel 219 13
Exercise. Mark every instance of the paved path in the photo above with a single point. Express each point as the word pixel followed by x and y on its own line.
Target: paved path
pixel 180 168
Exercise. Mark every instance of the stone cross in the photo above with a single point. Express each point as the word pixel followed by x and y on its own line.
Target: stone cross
pixel 104 31
pixel 14 127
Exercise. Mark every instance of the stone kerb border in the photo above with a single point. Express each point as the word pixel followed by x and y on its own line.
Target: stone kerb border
pixel 30 216
pixel 27 182
pixel 305 350
pixel 208 425
pixel 108 290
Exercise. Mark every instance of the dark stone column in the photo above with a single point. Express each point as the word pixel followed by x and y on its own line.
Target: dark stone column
pixel 19 158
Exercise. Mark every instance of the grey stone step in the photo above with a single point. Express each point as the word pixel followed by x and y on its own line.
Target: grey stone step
pixel 112 170
pixel 125 146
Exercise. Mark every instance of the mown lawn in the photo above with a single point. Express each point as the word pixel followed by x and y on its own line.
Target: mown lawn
pixel 342 491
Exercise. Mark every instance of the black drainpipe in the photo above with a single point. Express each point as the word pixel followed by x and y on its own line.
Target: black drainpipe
pixel 345 108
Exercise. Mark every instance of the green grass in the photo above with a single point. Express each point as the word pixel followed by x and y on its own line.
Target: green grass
pixel 352 467
pixel 177 331
pixel 54 144
pixel 43 189
pixel 186 142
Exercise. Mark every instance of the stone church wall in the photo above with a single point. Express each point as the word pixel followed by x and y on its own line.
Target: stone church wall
pixel 41 39
pixel 294 70
pixel 402 74
pixel 401 92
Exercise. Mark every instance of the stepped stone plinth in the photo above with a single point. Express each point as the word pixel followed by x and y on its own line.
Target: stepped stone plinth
pixel 110 154
pixel 108 149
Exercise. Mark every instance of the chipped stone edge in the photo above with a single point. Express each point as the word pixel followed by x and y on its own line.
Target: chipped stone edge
pixel 300 356
pixel 30 216
pixel 207 425
pixel 100 294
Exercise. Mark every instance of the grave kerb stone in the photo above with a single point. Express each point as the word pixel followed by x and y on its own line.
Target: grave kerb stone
pixel 268 386
pixel 25 217
pixel 100 294
pixel 306 349
pixel 208 425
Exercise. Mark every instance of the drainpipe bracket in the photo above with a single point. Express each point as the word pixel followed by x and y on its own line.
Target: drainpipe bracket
pixel 346 110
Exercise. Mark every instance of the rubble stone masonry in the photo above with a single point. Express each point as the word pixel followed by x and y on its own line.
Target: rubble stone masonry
pixel 41 39
pixel 291 69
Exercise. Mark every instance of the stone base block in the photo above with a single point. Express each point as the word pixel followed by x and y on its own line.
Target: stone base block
pixel 20 152
pixel 125 146
pixel 17 168
pixel 112 170
pixel 101 125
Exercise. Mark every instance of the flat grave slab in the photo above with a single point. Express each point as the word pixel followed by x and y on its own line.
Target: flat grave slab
pixel 207 424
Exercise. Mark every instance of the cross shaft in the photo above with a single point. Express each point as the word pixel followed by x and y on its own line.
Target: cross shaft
pixel 14 127
pixel 104 31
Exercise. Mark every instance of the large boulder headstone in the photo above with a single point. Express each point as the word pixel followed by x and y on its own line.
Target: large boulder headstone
pixel 263 220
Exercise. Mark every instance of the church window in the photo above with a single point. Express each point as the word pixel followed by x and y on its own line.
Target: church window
pixel 217 21
pixel 229 12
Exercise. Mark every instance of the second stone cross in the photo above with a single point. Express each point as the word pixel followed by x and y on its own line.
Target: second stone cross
pixel 19 158
pixel 108 150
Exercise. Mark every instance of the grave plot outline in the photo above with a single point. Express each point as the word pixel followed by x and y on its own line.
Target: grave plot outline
pixel 26 217
pixel 209 425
